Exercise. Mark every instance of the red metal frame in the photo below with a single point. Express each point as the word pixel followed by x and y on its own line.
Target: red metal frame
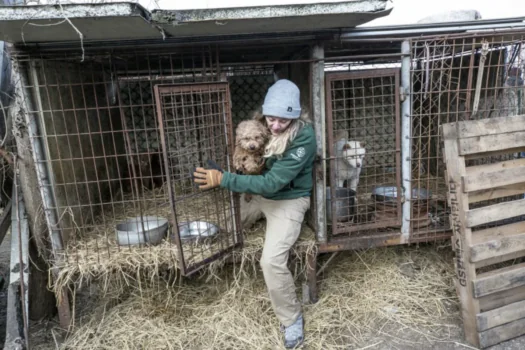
pixel 337 227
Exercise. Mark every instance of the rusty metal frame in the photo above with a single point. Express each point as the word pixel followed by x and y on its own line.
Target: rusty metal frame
pixel 338 228
pixel 464 48
pixel 159 90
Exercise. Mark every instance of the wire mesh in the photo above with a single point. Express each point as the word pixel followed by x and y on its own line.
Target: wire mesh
pixel 101 132
pixel 454 79
pixel 363 133
pixel 197 119
pixel 248 88
pixel 110 170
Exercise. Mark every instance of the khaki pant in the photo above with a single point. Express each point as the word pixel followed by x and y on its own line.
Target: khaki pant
pixel 283 226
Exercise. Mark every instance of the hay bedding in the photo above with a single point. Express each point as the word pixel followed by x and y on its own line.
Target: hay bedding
pixel 362 295
pixel 95 255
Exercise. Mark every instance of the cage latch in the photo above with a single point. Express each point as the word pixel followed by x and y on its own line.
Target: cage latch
pixel 402 195
pixel 402 94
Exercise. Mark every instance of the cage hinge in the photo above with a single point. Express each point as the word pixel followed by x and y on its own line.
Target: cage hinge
pixel 402 94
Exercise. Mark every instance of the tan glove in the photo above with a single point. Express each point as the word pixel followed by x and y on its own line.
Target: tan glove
pixel 208 178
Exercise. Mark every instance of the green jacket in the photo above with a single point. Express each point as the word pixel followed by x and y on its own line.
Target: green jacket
pixel 289 177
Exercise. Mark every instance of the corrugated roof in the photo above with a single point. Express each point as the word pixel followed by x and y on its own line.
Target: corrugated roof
pixel 130 21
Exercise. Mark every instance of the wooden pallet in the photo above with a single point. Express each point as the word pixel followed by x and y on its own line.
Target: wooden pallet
pixel 493 298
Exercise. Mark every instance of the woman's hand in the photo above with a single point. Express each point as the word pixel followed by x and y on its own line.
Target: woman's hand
pixel 207 178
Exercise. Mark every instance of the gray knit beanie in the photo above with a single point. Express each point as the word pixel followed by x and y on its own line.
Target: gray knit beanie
pixel 282 100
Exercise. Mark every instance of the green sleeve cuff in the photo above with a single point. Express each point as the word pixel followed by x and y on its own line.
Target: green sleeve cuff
pixel 225 179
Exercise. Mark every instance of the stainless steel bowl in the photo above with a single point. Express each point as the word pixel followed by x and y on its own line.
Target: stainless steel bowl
pixel 196 229
pixel 388 194
pixel 344 204
pixel 141 230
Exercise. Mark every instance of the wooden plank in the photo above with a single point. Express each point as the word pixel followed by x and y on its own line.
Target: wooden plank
pixel 485 235
pixel 499 280
pixel 465 272
pixel 497 247
pixel 495 193
pixel 499 259
pixel 497 241
pixel 496 153
pixel 490 126
pixel 494 175
pixel 502 333
pixel 508 164
pixel 495 212
pixel 506 297
pixel 491 143
pixel 500 316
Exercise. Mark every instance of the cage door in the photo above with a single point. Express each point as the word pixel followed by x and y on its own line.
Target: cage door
pixel 362 111
pixel 196 126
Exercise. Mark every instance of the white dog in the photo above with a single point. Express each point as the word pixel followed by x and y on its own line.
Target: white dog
pixel 349 158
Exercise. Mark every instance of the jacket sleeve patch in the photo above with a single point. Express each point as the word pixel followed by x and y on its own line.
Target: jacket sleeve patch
pixel 300 153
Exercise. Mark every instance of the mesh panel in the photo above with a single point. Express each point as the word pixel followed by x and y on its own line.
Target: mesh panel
pixel 364 132
pixel 454 80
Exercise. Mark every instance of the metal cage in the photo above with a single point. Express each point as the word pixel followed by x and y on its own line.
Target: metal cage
pixel 363 114
pixel 402 195
pixel 195 127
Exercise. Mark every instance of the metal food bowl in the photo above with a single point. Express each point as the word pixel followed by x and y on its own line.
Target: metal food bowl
pixel 141 230
pixel 344 203
pixel 196 229
pixel 388 194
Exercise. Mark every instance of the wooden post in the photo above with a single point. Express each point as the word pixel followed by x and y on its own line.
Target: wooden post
pixel 309 288
pixel 461 234
pixel 318 114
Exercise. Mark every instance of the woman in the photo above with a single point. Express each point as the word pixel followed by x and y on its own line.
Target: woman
pixel 281 194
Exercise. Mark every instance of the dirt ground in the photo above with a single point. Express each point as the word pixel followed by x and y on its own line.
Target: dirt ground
pixel 45 334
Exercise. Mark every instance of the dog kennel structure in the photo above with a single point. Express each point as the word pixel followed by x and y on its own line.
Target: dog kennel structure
pixel 116 125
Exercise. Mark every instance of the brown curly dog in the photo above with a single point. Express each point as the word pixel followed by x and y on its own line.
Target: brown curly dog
pixel 250 139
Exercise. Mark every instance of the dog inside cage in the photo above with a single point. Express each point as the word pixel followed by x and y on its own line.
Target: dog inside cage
pixel 364 157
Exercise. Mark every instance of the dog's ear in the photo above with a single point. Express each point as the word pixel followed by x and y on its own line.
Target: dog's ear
pixel 362 143
pixel 239 127
pixel 341 135
pixel 257 115
pixel 265 132
pixel 346 147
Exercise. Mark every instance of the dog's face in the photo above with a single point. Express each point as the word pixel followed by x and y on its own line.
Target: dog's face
pixel 251 135
pixel 354 153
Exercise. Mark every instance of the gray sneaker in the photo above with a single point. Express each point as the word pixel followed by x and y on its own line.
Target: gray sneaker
pixel 293 335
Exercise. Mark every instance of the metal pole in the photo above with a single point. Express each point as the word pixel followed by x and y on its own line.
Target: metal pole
pixel 406 141
pixel 25 106
pixel 318 113
pixel 18 291
pixel 40 156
